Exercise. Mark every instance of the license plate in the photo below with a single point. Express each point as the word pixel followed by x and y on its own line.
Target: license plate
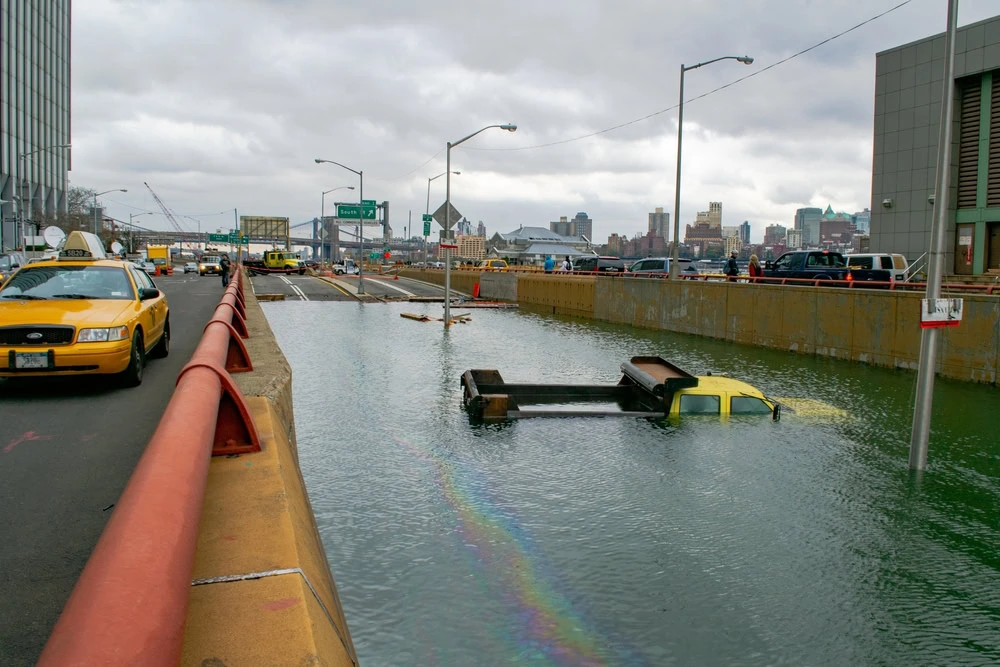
pixel 31 360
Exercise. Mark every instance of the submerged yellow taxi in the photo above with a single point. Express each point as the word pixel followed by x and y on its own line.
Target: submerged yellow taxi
pixel 720 395
pixel 81 314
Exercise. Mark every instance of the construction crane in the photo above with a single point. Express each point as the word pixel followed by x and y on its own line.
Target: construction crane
pixel 166 211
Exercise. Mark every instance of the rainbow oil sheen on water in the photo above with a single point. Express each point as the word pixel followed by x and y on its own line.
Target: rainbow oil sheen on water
pixel 581 541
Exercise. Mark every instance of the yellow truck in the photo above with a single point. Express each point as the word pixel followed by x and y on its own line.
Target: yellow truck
pixel 158 255
pixel 276 261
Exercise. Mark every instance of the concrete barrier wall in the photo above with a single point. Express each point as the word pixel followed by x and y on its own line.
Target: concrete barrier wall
pixel 498 285
pixel 462 280
pixel 264 593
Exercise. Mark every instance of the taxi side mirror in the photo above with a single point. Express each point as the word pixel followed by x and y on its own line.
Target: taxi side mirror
pixel 146 293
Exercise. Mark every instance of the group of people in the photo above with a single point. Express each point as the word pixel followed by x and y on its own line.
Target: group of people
pixel 733 270
pixel 550 264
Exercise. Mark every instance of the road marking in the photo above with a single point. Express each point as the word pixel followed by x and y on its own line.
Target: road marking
pixel 386 283
pixel 295 288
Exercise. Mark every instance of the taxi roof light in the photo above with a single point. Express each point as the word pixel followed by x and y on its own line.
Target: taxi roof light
pixel 82 245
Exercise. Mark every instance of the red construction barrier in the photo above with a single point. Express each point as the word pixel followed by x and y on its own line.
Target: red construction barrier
pixel 129 604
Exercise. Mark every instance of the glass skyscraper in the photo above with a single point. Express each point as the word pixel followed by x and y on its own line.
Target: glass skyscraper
pixel 34 112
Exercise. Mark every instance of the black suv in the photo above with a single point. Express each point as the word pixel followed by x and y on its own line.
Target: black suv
pixel 599 264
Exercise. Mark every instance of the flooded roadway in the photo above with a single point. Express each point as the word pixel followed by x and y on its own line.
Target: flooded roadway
pixel 625 541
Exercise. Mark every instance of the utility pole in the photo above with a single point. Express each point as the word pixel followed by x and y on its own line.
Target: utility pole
pixel 920 434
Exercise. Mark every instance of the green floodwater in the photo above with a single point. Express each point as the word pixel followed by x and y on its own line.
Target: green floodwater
pixel 629 542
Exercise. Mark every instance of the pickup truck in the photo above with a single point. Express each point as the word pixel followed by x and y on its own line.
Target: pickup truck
pixel 820 265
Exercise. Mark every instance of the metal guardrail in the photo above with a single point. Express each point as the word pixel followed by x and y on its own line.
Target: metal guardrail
pixel 129 605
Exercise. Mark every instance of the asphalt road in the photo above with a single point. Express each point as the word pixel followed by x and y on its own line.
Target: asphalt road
pixel 67 449
pixel 310 288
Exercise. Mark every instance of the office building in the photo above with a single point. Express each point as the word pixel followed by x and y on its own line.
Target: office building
pixel 745 232
pixel 712 217
pixel 862 221
pixel 774 235
pixel 908 92
pixel 463 227
pixel 659 223
pixel 481 229
pixel 793 239
pixel 34 112
pixel 470 246
pixel 804 215
pixel 580 225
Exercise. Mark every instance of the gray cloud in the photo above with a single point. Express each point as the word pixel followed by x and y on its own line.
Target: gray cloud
pixel 222 104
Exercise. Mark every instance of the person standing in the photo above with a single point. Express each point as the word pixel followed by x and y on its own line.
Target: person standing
pixel 732 268
pixel 567 265
pixel 224 265
pixel 550 263
pixel 754 267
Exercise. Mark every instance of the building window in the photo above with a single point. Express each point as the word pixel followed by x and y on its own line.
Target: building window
pixel 968 152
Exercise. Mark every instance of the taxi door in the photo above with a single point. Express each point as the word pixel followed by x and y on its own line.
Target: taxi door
pixel 152 312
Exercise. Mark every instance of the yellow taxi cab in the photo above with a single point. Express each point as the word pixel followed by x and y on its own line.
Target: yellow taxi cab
pixel 493 265
pixel 81 314
pixel 720 395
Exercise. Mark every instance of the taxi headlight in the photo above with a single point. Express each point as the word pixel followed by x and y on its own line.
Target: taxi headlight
pixel 102 335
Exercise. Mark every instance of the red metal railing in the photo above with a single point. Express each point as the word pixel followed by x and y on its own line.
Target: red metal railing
pixel 848 284
pixel 129 604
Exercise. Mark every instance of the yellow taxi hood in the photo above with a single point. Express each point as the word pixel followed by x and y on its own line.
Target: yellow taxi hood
pixel 80 313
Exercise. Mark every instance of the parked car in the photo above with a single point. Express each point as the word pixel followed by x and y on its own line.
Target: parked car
pixel 191 267
pixel 493 265
pixel 892 262
pixel 820 265
pixel 9 263
pixel 599 264
pixel 661 266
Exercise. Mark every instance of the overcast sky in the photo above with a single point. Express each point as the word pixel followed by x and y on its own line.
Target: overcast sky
pixel 224 104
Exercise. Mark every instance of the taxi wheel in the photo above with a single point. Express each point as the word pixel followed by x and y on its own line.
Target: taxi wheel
pixel 162 348
pixel 132 376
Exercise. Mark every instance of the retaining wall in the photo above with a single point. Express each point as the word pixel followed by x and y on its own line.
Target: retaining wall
pixel 879 327
pixel 265 594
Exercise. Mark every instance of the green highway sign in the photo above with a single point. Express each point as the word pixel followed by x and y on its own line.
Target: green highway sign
pixel 218 238
pixel 427 217
pixel 368 202
pixel 427 226
pixel 236 239
pixel 350 211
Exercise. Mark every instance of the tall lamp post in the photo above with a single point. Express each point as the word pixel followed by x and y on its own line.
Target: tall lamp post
pixel 361 220
pixel 675 255
pixel 322 219
pixel 98 194
pixel 510 127
pixel 20 195
pixel 428 211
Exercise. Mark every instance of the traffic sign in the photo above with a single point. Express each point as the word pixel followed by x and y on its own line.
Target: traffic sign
pixel 218 238
pixel 236 239
pixel 351 211
pixel 449 246
pixel 372 255
pixel 368 202
pixel 427 226
pixel 439 215
pixel 427 217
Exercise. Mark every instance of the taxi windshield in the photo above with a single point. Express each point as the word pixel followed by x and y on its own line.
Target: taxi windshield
pixel 69 282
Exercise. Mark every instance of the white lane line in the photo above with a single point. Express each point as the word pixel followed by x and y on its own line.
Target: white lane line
pixel 295 288
pixel 389 285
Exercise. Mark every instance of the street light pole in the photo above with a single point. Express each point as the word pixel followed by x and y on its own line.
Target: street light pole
pixel 361 219
pixel 98 194
pixel 921 429
pixel 429 205
pixel 510 127
pixel 18 192
pixel 322 222
pixel 675 255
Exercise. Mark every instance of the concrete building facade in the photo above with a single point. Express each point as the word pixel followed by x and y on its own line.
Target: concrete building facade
pixel 908 93
pixel 34 111
pixel 659 223
pixel 471 246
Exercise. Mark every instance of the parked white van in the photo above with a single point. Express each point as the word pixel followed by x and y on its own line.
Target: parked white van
pixel 893 262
